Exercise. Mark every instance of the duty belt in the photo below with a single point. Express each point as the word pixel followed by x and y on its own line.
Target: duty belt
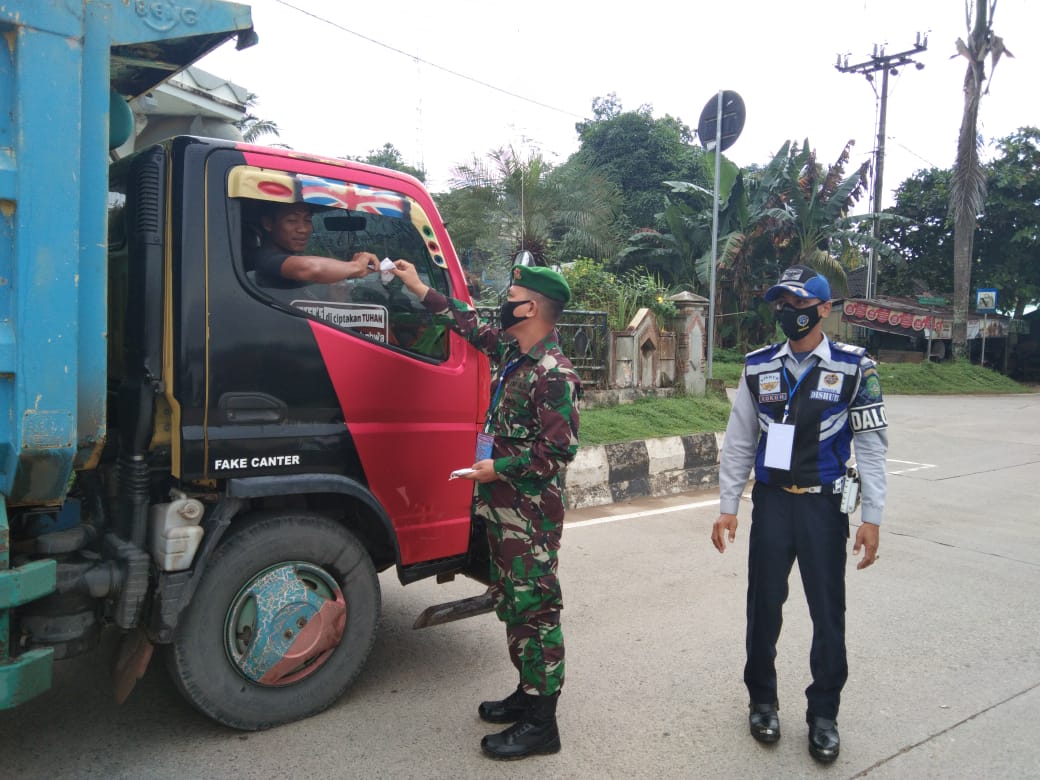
pixel 833 488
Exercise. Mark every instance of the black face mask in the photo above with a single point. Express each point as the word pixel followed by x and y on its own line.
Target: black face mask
pixel 795 323
pixel 507 314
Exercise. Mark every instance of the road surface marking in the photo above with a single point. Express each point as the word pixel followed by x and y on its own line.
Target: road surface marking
pixel 646 513
pixel 915 466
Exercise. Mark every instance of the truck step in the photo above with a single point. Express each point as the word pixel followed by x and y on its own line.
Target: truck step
pixel 455 610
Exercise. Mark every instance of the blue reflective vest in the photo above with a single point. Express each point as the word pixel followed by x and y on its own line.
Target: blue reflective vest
pixel 818 407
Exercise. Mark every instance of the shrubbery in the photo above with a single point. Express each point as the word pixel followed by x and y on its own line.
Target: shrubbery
pixel 594 288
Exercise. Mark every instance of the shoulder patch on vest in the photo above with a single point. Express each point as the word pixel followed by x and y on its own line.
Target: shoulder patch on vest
pixel 760 350
pixel 848 348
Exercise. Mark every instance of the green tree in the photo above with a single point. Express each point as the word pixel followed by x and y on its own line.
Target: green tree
pixel 672 249
pixel 1007 234
pixel 525 204
pixel 637 152
pixel 1008 237
pixel 969 185
pixel 390 157
pixel 808 207
pixel 794 210
pixel 923 237
pixel 252 127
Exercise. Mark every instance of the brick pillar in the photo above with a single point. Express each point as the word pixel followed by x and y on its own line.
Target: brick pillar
pixel 690 331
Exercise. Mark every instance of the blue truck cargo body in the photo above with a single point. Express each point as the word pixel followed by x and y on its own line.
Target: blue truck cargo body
pixel 61 63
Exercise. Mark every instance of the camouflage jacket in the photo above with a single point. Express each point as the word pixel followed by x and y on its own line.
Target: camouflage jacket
pixel 533 412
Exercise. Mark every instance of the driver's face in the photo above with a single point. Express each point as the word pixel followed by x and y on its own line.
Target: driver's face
pixel 292 227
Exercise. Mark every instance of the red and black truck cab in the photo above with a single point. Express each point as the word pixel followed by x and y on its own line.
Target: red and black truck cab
pixel 347 398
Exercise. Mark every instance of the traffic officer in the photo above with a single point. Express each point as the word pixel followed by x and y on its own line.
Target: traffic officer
pixel 530 435
pixel 799 406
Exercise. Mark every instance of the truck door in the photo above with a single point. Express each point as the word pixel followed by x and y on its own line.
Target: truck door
pixel 353 378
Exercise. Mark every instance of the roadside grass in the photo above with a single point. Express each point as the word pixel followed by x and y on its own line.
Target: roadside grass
pixel 953 378
pixel 651 418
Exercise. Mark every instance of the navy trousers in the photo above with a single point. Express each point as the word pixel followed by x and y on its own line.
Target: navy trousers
pixel 811 529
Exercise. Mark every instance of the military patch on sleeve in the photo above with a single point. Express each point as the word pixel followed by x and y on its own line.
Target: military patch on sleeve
pixel 868 418
pixel 870 387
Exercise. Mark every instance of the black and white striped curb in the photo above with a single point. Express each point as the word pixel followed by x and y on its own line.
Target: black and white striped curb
pixel 608 473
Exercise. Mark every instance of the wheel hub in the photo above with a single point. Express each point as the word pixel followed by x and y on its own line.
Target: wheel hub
pixel 285 623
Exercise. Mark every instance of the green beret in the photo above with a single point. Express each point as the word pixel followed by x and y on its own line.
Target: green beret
pixel 542 280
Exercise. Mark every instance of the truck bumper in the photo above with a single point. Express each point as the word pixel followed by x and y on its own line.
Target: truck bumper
pixel 26 676
pixel 29 674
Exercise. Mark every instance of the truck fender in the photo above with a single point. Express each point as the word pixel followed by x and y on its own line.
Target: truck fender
pixel 289 484
pixel 176 589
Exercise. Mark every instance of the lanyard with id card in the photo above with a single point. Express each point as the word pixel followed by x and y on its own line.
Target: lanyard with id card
pixel 780 435
pixel 485 439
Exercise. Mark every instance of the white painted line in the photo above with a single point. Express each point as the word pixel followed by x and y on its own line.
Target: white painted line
pixel 916 466
pixel 715 502
pixel 647 513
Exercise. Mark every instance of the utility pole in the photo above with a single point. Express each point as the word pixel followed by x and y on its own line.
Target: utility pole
pixel 886 63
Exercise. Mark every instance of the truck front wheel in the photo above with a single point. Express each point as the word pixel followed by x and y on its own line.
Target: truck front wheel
pixel 282 621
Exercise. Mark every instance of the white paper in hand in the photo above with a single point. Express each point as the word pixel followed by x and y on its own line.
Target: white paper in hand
pixel 460 473
pixel 385 272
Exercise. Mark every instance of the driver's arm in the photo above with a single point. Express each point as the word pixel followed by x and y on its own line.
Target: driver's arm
pixel 326 270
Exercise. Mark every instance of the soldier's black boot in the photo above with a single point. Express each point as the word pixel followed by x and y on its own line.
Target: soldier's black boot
pixel 536 733
pixel 508 710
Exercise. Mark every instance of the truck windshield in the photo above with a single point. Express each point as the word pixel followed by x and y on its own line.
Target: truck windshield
pixel 336 220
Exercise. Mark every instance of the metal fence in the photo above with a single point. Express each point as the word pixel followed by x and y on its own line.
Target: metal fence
pixel 584 338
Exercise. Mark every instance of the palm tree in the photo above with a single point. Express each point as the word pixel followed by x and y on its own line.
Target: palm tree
pixel 817 229
pixel 792 211
pixel 530 206
pixel 252 127
pixel 968 188
pixel 672 251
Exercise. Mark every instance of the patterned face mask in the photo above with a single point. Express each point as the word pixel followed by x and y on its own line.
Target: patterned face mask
pixel 795 323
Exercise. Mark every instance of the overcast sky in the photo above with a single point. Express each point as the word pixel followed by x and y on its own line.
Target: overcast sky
pixel 407 73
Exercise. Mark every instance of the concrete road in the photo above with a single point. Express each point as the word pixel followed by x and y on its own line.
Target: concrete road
pixel 943 634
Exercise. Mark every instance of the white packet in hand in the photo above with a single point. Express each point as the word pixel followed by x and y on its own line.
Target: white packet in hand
pixel 385 273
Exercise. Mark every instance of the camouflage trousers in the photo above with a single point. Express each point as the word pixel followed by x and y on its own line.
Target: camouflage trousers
pixel 527 593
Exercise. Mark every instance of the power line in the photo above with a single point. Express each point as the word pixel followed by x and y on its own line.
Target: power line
pixel 929 163
pixel 419 59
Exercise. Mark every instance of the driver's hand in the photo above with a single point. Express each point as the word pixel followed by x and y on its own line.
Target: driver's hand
pixel 363 263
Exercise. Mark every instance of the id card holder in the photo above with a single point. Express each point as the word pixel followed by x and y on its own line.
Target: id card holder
pixel 484 442
pixel 779 445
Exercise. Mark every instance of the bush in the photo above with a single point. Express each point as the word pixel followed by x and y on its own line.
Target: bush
pixel 593 288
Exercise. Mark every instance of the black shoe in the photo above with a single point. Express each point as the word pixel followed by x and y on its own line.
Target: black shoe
pixel 824 742
pixel 536 733
pixel 509 710
pixel 764 723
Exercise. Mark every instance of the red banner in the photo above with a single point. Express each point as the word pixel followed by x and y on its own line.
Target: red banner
pixel 893 320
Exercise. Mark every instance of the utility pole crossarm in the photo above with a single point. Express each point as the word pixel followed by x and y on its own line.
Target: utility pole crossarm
pixel 881 61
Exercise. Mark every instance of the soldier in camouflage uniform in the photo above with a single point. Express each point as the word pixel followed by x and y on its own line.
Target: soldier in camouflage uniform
pixel 530 437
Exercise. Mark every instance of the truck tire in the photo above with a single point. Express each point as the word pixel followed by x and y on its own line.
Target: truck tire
pixel 281 623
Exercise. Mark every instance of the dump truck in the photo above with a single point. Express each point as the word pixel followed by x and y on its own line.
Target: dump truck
pixel 214 469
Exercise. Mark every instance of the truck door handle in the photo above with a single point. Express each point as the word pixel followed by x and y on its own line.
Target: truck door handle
pixel 251 409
